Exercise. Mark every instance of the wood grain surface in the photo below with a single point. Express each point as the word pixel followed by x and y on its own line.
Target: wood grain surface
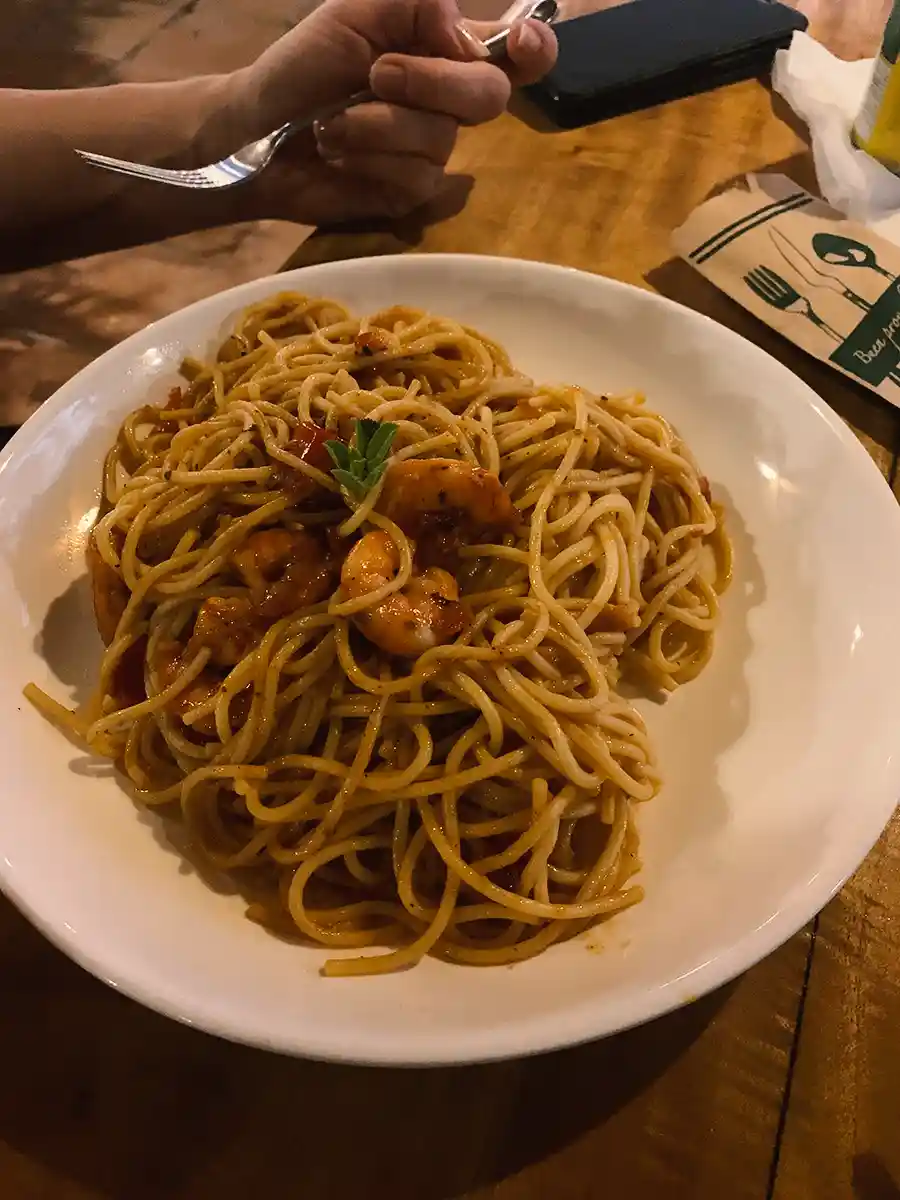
pixel 784 1085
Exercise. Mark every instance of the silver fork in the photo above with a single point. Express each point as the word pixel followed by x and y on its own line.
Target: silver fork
pixel 246 163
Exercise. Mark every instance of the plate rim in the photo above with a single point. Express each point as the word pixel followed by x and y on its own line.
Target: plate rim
pixel 740 955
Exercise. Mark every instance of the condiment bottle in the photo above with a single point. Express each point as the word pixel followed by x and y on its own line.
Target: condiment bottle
pixel 877 128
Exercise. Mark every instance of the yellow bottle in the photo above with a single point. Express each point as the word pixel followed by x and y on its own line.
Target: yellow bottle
pixel 877 128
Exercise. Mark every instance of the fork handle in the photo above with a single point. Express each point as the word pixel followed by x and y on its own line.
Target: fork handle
pixel 850 295
pixel 495 48
pixel 495 52
pixel 823 325
pixel 322 114
pixel 893 376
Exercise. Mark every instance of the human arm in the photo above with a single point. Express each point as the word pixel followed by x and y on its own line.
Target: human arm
pixel 380 159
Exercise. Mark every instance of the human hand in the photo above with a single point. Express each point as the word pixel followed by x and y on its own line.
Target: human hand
pixel 388 157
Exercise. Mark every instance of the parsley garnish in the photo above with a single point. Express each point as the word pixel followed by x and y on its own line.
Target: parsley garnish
pixel 359 467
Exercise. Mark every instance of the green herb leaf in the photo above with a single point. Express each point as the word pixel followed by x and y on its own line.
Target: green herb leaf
pixel 380 442
pixel 356 487
pixel 365 430
pixel 375 474
pixel 340 454
pixel 359 467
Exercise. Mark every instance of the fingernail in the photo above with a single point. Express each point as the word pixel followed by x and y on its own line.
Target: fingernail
pixel 528 38
pixel 470 43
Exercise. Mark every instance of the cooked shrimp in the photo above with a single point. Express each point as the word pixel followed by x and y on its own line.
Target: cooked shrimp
pixel 109 592
pixel 426 613
pixel 127 683
pixel 170 662
pixel 226 627
pixel 285 569
pixel 169 665
pixel 423 491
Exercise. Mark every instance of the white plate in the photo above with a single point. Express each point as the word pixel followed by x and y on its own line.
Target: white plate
pixel 780 763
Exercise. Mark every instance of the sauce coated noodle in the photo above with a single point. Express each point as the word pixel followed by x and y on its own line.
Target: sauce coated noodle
pixel 394 716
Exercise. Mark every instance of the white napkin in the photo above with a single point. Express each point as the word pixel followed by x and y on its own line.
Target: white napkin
pixel 827 93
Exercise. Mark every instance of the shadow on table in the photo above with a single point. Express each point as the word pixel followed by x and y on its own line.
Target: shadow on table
pixel 125 1104
pixel 375 239
pixel 872 1180
pixel 52 40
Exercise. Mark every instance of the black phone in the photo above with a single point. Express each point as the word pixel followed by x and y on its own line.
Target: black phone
pixel 645 52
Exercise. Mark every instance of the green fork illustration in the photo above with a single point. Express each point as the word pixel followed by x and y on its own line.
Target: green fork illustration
pixel 769 286
pixel 776 291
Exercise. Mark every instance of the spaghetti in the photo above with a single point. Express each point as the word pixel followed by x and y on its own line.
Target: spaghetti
pixel 378 677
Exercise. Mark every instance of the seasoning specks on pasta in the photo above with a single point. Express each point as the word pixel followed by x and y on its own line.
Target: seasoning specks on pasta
pixel 387 701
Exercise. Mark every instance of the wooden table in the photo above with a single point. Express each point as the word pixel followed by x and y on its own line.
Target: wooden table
pixel 785 1085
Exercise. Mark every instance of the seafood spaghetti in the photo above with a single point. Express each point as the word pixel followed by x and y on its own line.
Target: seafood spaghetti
pixel 367 593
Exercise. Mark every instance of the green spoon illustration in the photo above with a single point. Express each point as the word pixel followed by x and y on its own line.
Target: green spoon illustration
pixel 845 252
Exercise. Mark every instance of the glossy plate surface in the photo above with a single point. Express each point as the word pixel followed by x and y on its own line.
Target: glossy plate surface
pixel 780 763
